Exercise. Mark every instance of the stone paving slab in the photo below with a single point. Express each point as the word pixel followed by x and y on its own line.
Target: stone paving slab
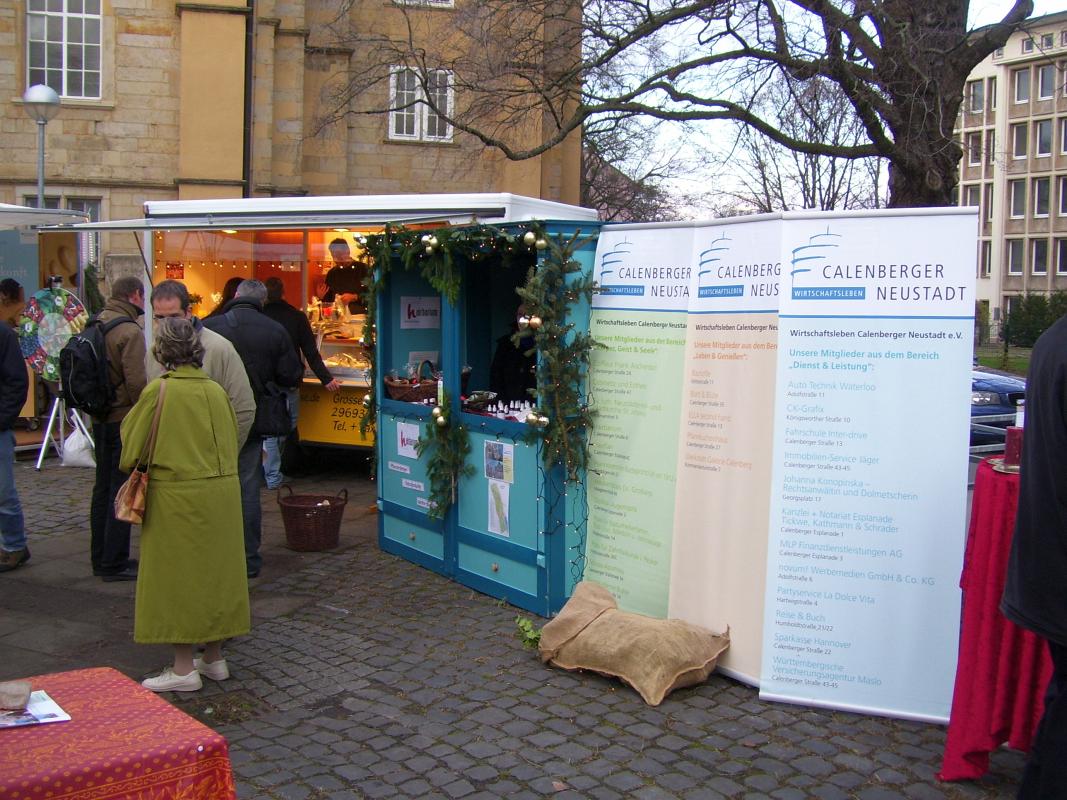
pixel 366 676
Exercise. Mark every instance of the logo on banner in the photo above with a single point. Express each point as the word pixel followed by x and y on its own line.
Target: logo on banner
pixel 610 262
pixel 819 248
pixel 708 262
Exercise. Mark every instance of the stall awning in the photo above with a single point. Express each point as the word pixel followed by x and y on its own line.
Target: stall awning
pixel 22 216
pixel 254 222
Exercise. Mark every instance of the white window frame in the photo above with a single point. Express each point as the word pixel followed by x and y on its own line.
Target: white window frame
pixel 1020 81
pixel 1048 41
pixel 974 149
pixel 1033 257
pixel 1017 189
pixel 989 202
pixel 64 49
pixel 991 146
pixel 1063 135
pixel 417 110
pixel 976 96
pixel 1061 256
pixel 1037 192
pixel 1014 268
pixel 1038 125
pixel 972 192
pixel 1046 81
pixel 1062 182
pixel 1027 45
pixel 1019 134
pixel 985 257
pixel 991 93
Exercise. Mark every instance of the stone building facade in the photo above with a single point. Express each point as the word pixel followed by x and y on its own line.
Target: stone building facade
pixel 191 100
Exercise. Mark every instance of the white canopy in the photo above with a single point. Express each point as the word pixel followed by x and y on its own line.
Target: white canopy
pixel 19 216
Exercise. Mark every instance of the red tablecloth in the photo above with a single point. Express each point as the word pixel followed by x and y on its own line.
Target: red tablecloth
pixel 122 741
pixel 1003 670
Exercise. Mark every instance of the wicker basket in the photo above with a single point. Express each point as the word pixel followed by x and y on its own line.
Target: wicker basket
pixel 312 521
pixel 408 392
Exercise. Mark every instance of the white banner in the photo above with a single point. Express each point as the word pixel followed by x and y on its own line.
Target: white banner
pixel 870 461
pixel 420 312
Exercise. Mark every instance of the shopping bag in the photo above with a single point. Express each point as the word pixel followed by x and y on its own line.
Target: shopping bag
pixel 77 449
pixel 130 499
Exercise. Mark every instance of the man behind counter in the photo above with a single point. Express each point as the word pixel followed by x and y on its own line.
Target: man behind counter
pixel 345 279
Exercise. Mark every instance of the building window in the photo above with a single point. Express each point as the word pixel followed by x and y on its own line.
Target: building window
pixel 1013 250
pixel 1018 140
pixel 1063 135
pixel 1046 81
pixel 998 53
pixel 1028 45
pixel 991 90
pixel 985 255
pixel 1063 195
pixel 972 195
pixel 88 243
pixel 1017 194
pixel 991 146
pixel 1047 41
pixel 1043 137
pixel 1021 81
pixel 974 149
pixel 1041 190
pixel 412 117
pixel 1039 256
pixel 976 96
pixel 1061 256
pixel 989 202
pixel 1063 38
pixel 63 46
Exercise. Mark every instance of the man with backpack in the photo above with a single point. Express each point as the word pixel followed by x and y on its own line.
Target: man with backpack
pixel 272 366
pixel 125 350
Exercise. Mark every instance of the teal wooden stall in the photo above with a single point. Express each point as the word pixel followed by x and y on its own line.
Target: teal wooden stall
pixel 532 555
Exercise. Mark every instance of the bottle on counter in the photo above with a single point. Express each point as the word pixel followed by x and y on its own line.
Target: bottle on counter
pixel 1020 413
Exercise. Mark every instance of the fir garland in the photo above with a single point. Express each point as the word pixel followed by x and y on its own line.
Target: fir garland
pixel 448 447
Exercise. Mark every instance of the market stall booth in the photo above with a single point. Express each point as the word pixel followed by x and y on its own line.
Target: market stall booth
pixel 482 331
pixel 316 247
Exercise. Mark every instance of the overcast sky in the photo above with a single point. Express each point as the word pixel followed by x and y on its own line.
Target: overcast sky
pixel 984 12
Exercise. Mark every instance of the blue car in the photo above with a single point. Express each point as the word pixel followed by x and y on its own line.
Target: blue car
pixel 994 395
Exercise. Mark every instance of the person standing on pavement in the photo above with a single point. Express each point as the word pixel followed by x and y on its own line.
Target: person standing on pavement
pixel 13 383
pixel 1035 591
pixel 170 299
pixel 192 587
pixel 110 537
pixel 269 358
pixel 299 329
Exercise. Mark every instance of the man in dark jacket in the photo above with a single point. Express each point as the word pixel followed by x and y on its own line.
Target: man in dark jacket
pixel 299 330
pixel 13 382
pixel 109 546
pixel 269 358
pixel 1035 593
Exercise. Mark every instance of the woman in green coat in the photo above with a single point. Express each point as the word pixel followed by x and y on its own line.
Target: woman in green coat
pixel 191 584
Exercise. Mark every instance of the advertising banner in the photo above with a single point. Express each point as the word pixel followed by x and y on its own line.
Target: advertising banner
pixel 869 479
pixel 640 314
pixel 722 496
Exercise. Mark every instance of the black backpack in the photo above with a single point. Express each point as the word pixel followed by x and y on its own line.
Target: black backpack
pixel 83 369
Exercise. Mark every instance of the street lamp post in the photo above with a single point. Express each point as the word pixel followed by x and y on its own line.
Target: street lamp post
pixel 42 103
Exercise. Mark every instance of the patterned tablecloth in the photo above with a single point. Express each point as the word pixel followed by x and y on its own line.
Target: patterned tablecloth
pixel 122 741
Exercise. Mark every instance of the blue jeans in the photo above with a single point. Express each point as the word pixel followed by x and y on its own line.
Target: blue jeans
pixel 12 525
pixel 250 473
pixel 273 445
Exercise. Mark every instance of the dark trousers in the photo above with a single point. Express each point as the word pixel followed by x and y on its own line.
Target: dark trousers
pixel 1045 777
pixel 250 472
pixel 109 544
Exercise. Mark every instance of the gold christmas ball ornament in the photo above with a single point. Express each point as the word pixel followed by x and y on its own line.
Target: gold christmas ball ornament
pixel 425 238
pixel 529 238
pixel 433 241
pixel 542 421
pixel 441 422
pixel 429 250
pixel 541 244
pixel 524 322
pixel 532 418
pixel 366 401
pixel 535 322
pixel 436 412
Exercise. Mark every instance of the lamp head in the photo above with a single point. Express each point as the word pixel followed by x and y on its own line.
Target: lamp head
pixel 41 102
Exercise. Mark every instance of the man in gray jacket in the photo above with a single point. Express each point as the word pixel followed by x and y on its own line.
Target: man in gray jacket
pixel 221 362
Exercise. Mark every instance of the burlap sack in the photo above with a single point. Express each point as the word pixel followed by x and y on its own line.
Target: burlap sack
pixel 654 656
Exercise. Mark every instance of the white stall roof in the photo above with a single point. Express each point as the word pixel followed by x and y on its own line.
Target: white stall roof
pixel 344 211
pixel 21 216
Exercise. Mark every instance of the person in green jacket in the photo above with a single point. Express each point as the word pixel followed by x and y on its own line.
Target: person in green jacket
pixel 191 586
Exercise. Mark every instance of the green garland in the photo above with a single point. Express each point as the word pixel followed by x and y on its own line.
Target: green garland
pixel 552 287
pixel 448 447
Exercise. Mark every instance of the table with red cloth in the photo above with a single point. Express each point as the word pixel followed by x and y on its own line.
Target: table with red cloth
pixel 1003 670
pixel 122 741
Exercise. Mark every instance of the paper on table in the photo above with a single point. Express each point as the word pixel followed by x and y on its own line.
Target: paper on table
pixel 41 709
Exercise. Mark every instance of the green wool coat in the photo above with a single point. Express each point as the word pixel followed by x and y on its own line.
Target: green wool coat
pixel 191 583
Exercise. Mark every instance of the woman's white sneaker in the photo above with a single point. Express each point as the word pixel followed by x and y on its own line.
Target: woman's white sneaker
pixel 216 670
pixel 168 681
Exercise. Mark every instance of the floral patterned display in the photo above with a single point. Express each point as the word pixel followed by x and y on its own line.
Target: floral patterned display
pixel 50 318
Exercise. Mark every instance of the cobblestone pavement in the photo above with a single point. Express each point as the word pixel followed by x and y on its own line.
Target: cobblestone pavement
pixel 365 676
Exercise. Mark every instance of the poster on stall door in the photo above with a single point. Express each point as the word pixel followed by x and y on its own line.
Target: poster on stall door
pixel 869 476
pixel 640 314
pixel 722 496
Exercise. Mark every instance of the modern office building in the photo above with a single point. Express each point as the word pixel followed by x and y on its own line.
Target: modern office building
pixel 1013 131
pixel 199 99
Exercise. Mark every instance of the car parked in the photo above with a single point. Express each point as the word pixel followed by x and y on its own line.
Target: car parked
pixel 996 396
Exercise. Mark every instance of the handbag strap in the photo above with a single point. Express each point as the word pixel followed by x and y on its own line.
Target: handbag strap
pixel 150 443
